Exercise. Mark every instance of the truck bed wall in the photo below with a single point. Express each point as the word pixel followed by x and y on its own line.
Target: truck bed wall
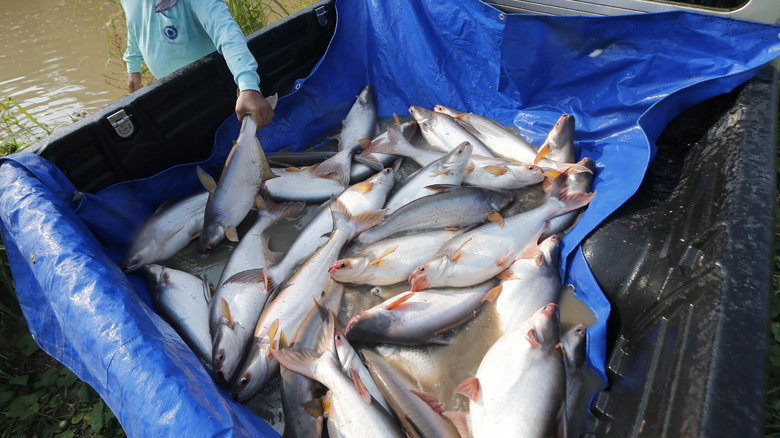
pixel 175 118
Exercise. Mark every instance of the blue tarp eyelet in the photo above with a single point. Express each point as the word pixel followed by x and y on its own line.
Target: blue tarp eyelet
pixel 501 17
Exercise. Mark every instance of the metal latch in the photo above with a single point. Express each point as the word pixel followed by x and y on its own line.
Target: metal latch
pixel 122 124
pixel 322 15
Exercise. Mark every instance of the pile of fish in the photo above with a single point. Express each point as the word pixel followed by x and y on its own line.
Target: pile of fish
pixel 410 243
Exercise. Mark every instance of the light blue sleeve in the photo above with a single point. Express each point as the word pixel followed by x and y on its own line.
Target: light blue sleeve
pixel 230 41
pixel 132 57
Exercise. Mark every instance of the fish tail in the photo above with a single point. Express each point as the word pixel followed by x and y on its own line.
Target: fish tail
pixel 568 201
pixel 298 360
pixel 343 219
pixel 338 164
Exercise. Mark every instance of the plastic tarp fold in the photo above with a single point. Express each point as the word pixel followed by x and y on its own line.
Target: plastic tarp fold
pixel 623 78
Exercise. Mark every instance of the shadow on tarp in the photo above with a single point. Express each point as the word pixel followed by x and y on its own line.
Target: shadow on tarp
pixel 623 78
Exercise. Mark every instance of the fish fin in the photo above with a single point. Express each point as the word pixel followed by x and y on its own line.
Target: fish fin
pixel 497 218
pixel 231 233
pixel 299 360
pixel 268 173
pixel 397 122
pixel 313 407
pixel 544 152
pixel 507 275
pixel 206 180
pixel 361 221
pixel 470 388
pixel 363 187
pixel 250 276
pixel 456 255
pixel 322 310
pixel 495 170
pixel 531 336
pixel 385 254
pixel 571 201
pixel 338 164
pixel 400 299
pixel 369 159
pixel 461 422
pixel 573 167
pixel 533 252
pixel 364 143
pixel 442 188
pixel 327 404
pixel 469 168
pixel 171 234
pixel 272 333
pixel 208 290
pixel 431 400
pixel 506 260
pixel 273 257
pixel 492 294
pixel 283 343
pixel 273 100
pixel 224 312
pixel 360 386
pixel 551 174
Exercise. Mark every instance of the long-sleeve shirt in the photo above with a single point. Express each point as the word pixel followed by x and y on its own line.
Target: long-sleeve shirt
pixel 186 32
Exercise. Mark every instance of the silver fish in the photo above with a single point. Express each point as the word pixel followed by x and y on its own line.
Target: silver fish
pixel 234 311
pixel 251 251
pixel 445 133
pixel 573 343
pixel 349 415
pixel 368 195
pixel 520 383
pixel 301 184
pixel 167 231
pixel 182 298
pixel 479 254
pixel 376 160
pixel 448 169
pixel 559 144
pixel 234 195
pixel 353 366
pixel 389 261
pixel 486 172
pixel 419 414
pixel 284 314
pixel 450 207
pixel 358 130
pixel 414 318
pixel 529 283
pixel 301 395
pixel 503 142
pixel 579 182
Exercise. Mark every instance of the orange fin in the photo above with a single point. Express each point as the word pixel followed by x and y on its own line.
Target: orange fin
pixel 400 300
pixel 385 254
pixel 496 170
pixel 272 333
pixel 231 234
pixel 497 218
pixel 506 260
pixel 507 275
pixel 224 312
pixel 492 294
pixel 456 255
pixel 469 388
pixel 544 152
pixel 363 187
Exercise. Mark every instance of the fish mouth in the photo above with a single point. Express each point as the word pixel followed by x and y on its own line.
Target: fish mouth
pixel 419 280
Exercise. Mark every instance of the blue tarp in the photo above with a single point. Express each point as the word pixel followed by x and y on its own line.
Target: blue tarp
pixel 623 78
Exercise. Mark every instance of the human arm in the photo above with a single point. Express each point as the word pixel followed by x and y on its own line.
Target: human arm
pixel 230 41
pixel 133 59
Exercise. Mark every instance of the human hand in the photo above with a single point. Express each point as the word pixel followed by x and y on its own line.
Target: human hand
pixel 133 81
pixel 252 102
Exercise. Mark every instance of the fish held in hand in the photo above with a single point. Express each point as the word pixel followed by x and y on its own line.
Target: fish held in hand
pixel 233 196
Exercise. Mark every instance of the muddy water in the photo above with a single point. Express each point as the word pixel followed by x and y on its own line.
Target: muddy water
pixel 54 57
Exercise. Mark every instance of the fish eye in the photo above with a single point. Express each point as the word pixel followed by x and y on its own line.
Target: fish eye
pixel 343 265
pixel 243 381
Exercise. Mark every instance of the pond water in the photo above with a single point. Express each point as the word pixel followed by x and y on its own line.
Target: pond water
pixel 55 59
